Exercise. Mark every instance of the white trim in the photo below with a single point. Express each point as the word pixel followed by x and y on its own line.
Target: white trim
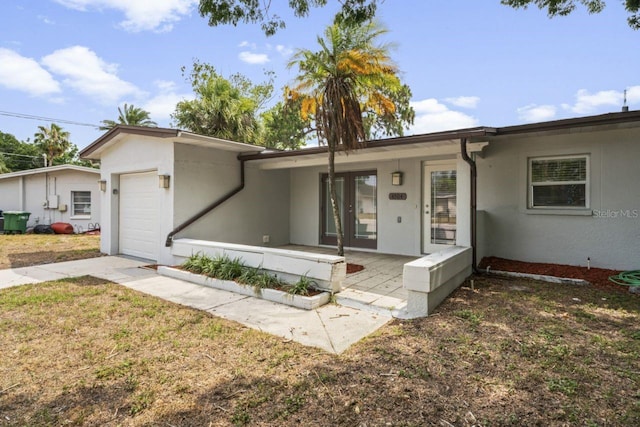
pixel 49 169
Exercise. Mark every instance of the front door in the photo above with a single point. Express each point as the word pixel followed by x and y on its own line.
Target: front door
pixel 357 198
pixel 438 207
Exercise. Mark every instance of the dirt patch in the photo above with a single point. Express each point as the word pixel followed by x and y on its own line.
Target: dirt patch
pixel 89 352
pixel 354 268
pixel 36 249
pixel 596 276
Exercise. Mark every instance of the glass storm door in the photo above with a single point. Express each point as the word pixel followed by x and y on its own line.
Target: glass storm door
pixel 357 199
pixel 438 207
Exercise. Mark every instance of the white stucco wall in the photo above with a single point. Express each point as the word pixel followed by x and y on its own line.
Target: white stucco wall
pixel 203 175
pixel 29 192
pixel 404 237
pixel 608 235
pixel 135 153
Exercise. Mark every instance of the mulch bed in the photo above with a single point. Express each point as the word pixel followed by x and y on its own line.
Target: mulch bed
pixel 354 268
pixel 598 277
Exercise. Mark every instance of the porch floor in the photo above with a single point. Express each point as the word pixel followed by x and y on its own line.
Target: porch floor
pixel 376 288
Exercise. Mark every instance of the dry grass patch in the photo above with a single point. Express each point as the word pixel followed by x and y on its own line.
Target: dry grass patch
pixel 512 352
pixel 23 250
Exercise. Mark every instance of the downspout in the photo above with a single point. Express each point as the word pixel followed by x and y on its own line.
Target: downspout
pixel 209 208
pixel 474 179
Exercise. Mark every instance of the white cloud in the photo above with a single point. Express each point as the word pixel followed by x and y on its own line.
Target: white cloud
pixel 161 106
pixel 588 103
pixel 433 116
pixel 46 20
pixel 253 58
pixel 141 15
pixel 536 113
pixel 283 50
pixel 89 74
pixel 464 101
pixel 25 74
pixel 245 43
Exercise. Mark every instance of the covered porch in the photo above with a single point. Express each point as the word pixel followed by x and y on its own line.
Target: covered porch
pixel 377 287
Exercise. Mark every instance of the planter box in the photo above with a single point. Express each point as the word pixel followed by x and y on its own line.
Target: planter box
pixel 274 295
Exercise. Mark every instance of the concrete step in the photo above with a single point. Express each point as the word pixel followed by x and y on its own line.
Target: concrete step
pixel 371 302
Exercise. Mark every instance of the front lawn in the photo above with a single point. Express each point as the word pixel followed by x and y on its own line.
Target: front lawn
pixel 511 352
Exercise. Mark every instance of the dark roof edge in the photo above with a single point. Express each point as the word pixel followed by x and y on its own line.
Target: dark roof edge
pixel 134 130
pixel 601 119
pixel 397 141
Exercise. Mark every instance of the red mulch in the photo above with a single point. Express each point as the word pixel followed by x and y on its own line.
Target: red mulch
pixel 354 268
pixel 596 276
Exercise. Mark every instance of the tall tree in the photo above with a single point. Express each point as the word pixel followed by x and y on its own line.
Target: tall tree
pixel 283 126
pixel 53 141
pixel 351 80
pixel 221 12
pixel 565 7
pixel 224 108
pixel 19 155
pixel 129 115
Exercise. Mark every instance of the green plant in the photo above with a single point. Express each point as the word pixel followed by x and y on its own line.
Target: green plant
pixel 301 287
pixel 230 269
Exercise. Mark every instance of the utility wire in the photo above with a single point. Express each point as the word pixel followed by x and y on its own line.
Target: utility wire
pixel 46 119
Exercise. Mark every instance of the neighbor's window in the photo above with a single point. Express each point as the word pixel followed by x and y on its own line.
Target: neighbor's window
pixel 81 203
pixel 559 182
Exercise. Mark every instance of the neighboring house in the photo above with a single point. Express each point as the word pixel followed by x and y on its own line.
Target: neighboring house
pixel 65 193
pixel 560 191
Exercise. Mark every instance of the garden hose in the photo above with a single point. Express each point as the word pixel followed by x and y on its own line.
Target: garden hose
pixel 627 278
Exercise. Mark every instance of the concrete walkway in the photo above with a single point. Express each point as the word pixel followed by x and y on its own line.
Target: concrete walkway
pixel 333 328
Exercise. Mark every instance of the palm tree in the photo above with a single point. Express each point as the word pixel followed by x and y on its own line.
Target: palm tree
pixel 130 115
pixel 350 78
pixel 53 141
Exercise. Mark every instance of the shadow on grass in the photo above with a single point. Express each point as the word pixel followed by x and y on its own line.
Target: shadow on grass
pixel 27 259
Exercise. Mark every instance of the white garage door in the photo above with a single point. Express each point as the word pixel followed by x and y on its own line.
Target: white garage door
pixel 139 210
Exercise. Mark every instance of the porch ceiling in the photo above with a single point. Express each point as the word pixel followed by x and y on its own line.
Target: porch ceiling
pixel 385 152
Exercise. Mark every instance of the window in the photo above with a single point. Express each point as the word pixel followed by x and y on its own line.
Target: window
pixel 559 182
pixel 81 204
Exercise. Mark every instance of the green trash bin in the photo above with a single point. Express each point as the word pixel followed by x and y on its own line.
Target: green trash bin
pixel 15 221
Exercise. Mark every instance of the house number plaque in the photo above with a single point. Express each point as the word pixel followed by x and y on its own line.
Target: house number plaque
pixel 397 196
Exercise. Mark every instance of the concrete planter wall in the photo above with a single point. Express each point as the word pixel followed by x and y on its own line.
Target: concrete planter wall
pixel 274 295
pixel 328 271
pixel 430 279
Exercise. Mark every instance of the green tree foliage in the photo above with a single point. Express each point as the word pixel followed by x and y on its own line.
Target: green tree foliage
pixel 224 108
pixel 565 7
pixel 18 155
pixel 53 141
pixel 283 126
pixel 129 115
pixel 224 12
pixel 348 87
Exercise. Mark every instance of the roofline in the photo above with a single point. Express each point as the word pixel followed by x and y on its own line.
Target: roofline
pixel 134 130
pixel 48 169
pixel 599 120
pixel 159 133
pixel 398 141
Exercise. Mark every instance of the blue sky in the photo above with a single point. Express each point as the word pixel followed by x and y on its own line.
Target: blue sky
pixel 468 63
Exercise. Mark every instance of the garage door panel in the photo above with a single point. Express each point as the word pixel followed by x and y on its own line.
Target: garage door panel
pixel 139 215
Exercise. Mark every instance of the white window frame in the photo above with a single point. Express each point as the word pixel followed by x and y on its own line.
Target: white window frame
pixel 74 215
pixel 586 182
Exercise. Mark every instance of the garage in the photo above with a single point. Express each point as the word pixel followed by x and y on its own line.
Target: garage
pixel 139 233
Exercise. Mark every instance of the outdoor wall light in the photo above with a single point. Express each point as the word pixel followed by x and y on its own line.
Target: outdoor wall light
pixel 163 181
pixel 103 185
pixel 396 178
